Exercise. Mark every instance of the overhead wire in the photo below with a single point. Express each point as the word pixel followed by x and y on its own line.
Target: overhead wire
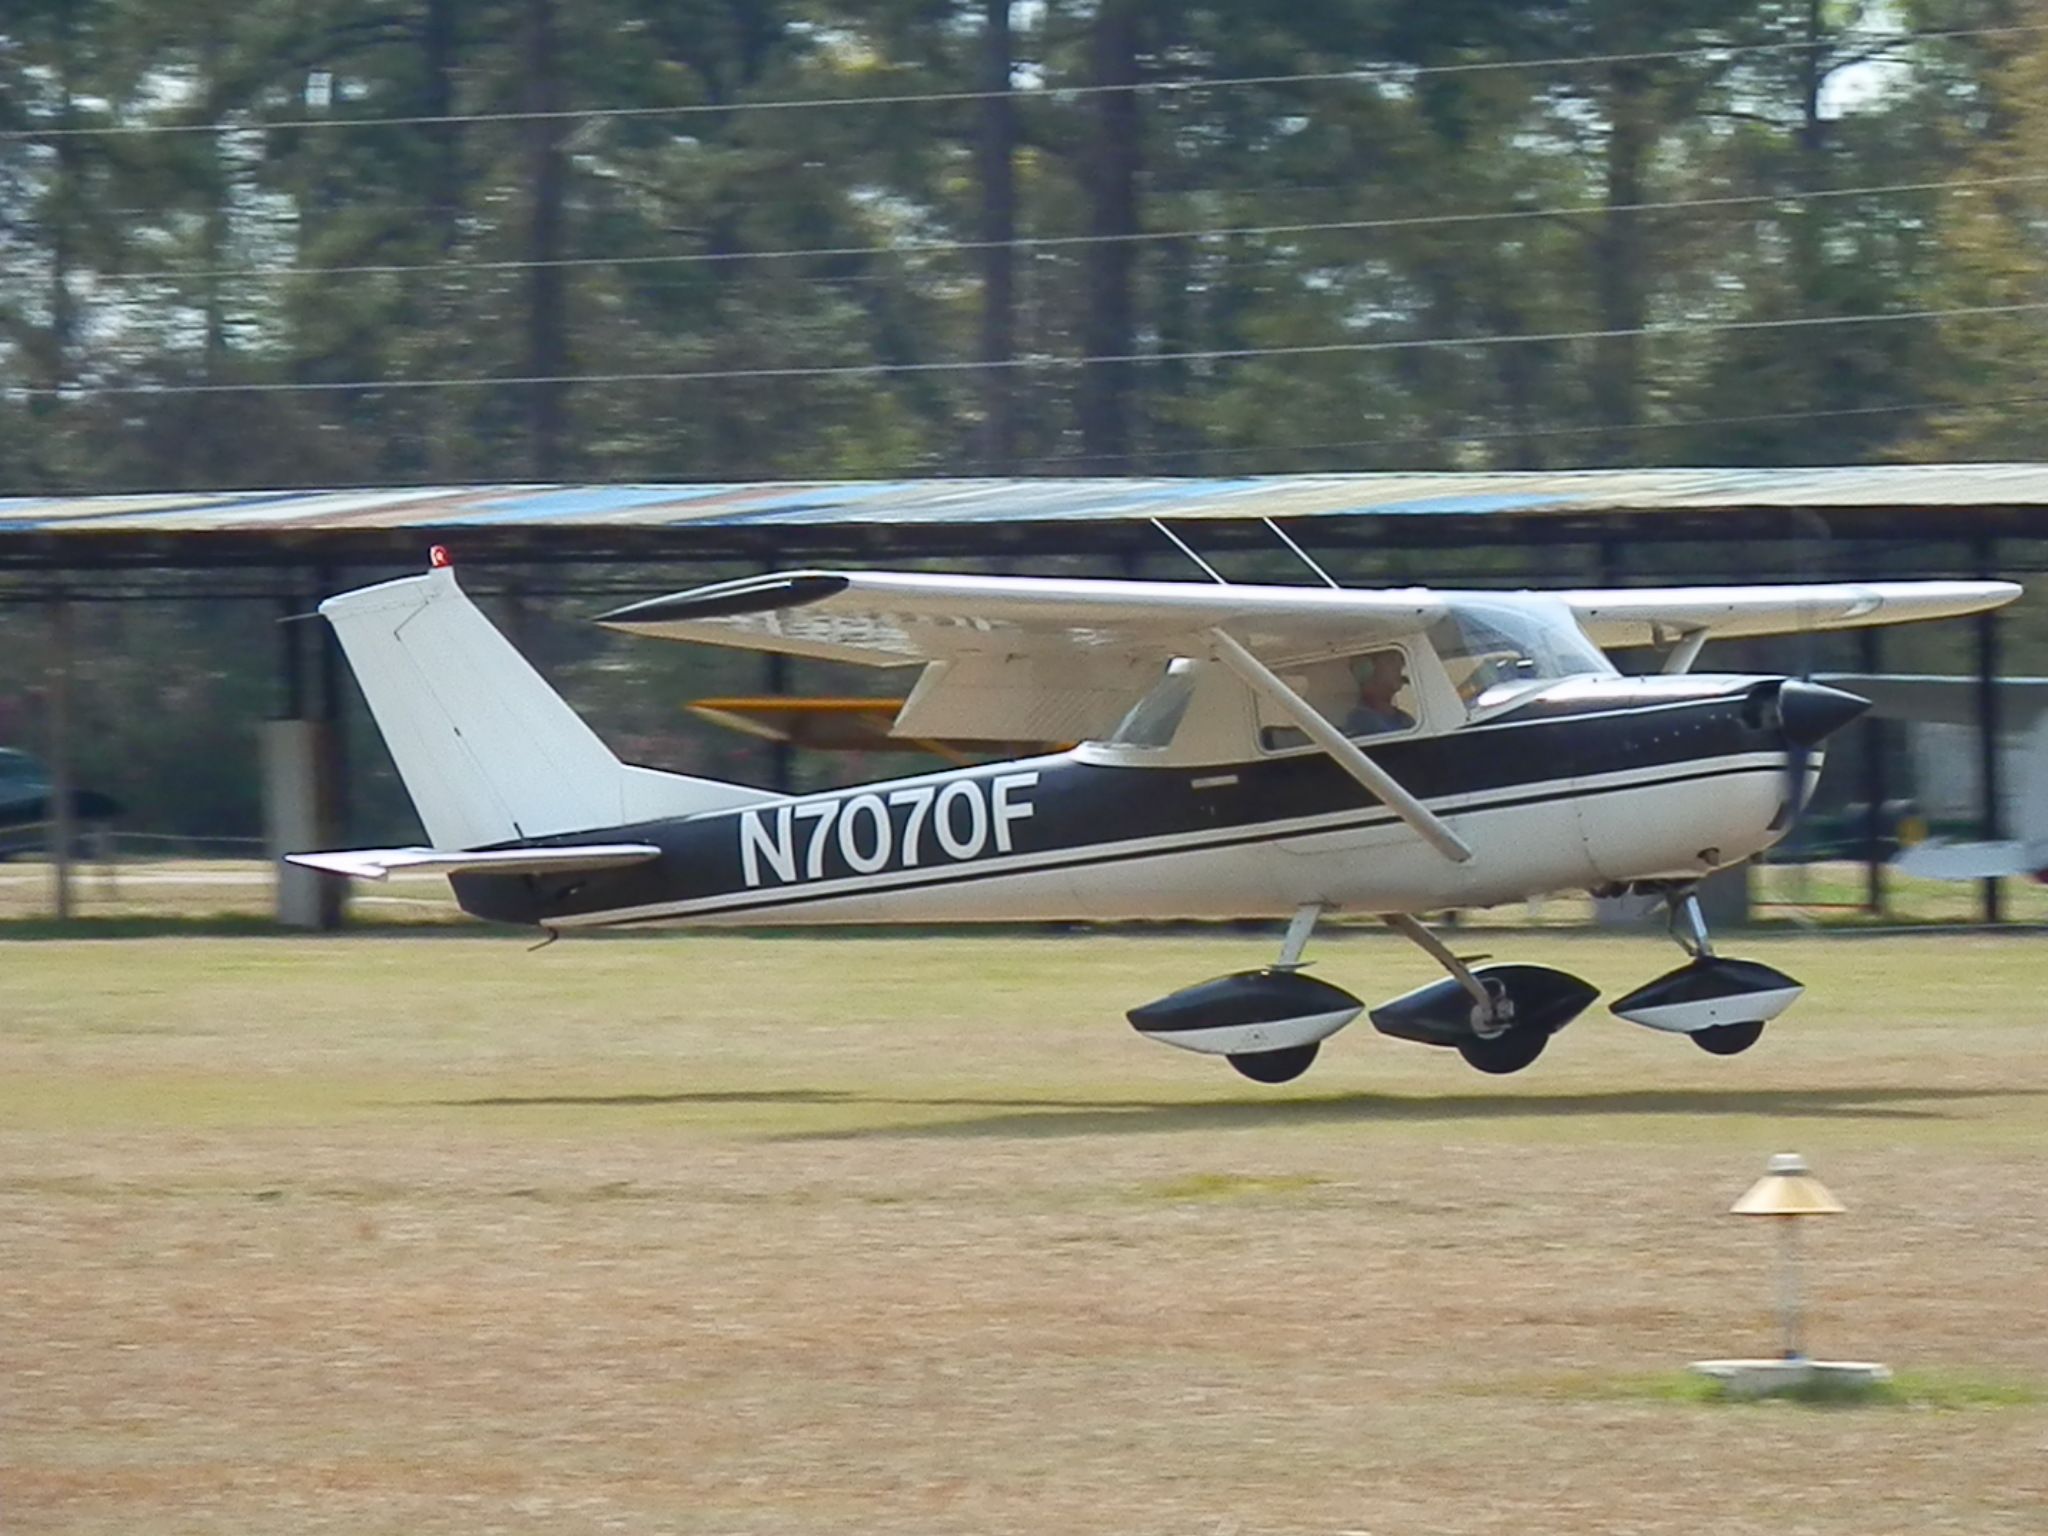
pixel 874 370
pixel 917 246
pixel 1393 73
pixel 1205 453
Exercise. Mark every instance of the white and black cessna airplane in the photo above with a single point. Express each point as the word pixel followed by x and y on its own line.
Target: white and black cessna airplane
pixel 1245 751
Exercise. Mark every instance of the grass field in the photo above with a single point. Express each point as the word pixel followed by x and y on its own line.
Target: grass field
pixel 430 1234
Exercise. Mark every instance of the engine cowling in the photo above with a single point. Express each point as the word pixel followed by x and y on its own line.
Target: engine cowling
pixel 1248 1012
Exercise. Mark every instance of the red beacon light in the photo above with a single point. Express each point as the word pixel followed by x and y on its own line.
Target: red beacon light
pixel 438 557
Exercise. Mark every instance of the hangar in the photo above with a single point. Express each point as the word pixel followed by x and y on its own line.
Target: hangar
pixel 1512 528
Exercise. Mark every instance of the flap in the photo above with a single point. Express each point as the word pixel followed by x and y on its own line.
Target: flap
pixel 1007 698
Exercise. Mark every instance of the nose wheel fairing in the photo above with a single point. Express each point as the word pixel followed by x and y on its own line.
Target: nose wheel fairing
pixel 1710 992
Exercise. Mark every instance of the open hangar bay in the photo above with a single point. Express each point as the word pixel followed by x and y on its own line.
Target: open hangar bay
pixel 375 1232
pixel 530 546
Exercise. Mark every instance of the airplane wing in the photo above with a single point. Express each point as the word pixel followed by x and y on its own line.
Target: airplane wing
pixel 899 618
pixel 839 725
pixel 1620 616
pixel 1012 657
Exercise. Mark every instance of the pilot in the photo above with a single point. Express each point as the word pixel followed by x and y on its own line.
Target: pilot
pixel 1380 675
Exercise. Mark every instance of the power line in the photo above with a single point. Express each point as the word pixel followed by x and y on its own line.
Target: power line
pixel 1581 429
pixel 1397 73
pixel 1055 242
pixel 877 370
pixel 1406 439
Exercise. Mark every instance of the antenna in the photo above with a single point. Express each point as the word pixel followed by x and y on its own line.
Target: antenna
pixel 1207 568
pixel 1281 534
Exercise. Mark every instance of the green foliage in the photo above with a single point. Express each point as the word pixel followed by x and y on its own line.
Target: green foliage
pixel 1950 1390
pixel 291 249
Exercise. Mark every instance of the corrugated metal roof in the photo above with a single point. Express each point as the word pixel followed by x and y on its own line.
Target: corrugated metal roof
pixel 901 503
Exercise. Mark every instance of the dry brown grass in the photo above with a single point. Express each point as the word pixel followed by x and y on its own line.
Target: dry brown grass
pixel 719 1234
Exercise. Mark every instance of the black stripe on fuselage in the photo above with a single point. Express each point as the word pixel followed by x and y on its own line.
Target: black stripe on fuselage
pixel 1088 813
pixel 805 894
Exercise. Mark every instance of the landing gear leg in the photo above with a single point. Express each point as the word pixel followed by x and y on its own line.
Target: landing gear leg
pixel 1684 908
pixel 1496 1045
pixel 1498 1016
pixel 1299 928
pixel 1493 1011
pixel 1689 928
pixel 1289 1062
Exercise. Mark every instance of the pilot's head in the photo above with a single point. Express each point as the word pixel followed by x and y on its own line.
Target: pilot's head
pixel 1379 675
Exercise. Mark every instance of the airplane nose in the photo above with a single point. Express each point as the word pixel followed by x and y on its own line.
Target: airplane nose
pixel 1809 713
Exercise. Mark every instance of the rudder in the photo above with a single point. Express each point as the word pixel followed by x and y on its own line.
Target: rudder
pixel 487 750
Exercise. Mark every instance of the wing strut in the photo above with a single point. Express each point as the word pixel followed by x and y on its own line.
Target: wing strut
pixel 1257 676
pixel 1685 650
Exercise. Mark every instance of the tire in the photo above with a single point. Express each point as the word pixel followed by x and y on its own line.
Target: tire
pixel 1728 1039
pixel 1282 1066
pixel 1506 1053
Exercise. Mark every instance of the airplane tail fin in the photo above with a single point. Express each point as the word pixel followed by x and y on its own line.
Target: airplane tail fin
pixel 488 751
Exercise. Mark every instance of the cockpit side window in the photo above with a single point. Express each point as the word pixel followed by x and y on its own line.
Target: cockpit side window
pixel 1367 695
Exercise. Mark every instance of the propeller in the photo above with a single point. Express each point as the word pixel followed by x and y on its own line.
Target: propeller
pixel 1805 714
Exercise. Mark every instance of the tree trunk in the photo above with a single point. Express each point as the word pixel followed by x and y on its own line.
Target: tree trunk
pixel 215 229
pixel 1111 173
pixel 442 444
pixel 547 319
pixel 1619 253
pixel 444 194
pixel 218 452
pixel 63 207
pixel 1812 144
pixel 995 152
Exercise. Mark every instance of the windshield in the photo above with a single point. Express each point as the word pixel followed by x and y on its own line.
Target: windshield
pixel 1493 650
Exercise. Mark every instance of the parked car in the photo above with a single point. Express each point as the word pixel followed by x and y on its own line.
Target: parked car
pixel 25 805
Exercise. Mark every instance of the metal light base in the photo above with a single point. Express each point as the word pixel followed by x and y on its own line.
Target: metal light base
pixel 1779 1378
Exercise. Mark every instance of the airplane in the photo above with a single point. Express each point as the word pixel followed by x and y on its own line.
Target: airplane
pixel 835 725
pixel 2023 711
pixel 1230 765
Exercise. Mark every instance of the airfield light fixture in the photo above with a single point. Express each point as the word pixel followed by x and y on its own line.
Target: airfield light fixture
pixel 1788 1190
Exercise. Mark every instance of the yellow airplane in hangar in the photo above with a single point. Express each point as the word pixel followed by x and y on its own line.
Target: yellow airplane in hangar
pixel 1244 751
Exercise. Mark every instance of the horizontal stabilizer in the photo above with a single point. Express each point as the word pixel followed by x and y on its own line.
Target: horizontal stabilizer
pixel 1969 861
pixel 378 863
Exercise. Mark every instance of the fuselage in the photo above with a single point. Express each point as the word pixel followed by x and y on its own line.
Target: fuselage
pixel 1587 783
